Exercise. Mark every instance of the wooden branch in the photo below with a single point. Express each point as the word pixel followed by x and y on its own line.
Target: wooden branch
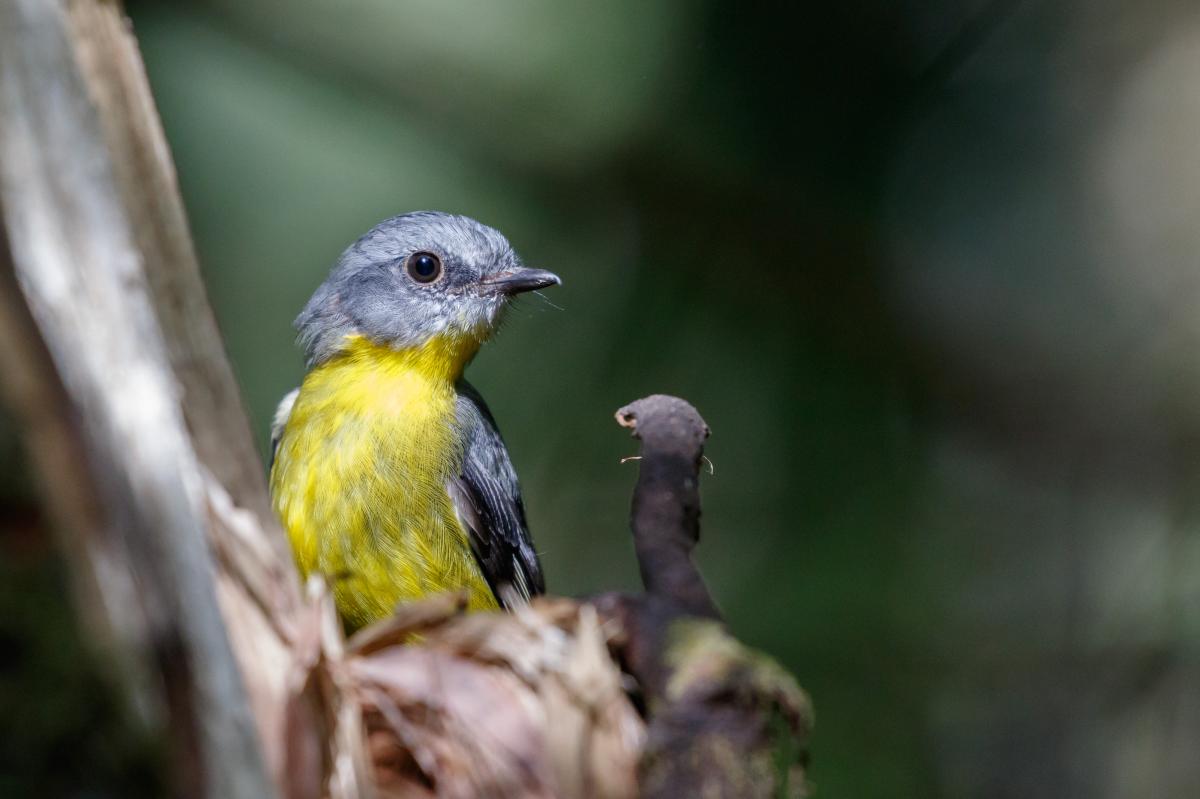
pixel 724 720
pixel 105 592
pixel 115 79
pixel 74 247
pixel 666 502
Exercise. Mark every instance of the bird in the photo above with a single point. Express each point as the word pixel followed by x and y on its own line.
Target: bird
pixel 388 470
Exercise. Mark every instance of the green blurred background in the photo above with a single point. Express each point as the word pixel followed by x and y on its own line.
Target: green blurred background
pixel 929 269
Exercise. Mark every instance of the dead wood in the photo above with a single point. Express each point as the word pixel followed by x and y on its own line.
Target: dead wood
pixel 724 720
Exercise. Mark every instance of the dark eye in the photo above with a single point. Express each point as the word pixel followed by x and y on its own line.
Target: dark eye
pixel 424 267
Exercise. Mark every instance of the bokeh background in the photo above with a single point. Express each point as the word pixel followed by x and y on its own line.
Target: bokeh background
pixel 929 268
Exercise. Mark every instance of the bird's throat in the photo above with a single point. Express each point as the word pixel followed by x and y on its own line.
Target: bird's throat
pixel 441 358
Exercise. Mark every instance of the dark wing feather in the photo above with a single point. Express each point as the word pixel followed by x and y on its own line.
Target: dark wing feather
pixel 488 501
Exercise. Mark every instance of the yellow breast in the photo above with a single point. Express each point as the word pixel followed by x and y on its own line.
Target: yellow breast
pixel 359 479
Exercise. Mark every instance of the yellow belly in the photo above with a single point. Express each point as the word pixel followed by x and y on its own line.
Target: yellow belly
pixel 359 481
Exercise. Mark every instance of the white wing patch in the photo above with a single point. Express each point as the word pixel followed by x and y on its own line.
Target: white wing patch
pixel 282 413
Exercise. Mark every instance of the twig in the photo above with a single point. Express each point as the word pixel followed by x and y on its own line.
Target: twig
pixel 723 720
pixel 666 501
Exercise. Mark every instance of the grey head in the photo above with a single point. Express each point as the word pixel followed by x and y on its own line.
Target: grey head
pixel 414 277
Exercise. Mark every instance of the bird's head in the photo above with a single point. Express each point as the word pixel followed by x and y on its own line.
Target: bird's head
pixel 414 280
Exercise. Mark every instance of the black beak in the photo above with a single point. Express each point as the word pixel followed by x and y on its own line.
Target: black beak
pixel 517 280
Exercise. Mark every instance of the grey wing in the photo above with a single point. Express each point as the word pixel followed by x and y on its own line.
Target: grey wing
pixel 487 499
pixel 282 413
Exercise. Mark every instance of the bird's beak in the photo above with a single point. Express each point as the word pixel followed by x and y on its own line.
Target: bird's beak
pixel 515 281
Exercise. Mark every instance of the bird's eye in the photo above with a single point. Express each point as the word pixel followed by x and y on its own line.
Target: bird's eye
pixel 424 267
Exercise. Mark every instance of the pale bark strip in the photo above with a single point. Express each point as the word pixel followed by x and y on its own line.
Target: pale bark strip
pixel 114 76
pixel 76 253
pixel 103 591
